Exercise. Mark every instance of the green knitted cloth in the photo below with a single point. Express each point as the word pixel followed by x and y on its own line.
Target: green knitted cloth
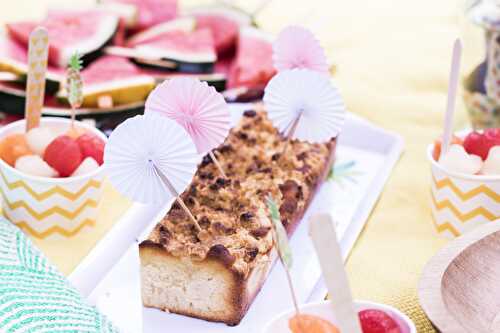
pixel 34 296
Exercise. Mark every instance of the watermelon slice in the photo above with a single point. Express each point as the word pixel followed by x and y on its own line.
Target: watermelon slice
pixel 223 21
pixel 14 59
pixel 192 50
pixel 151 12
pixel 84 32
pixel 115 77
pixel 253 65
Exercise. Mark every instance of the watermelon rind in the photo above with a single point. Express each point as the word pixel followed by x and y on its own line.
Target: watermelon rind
pixel 231 12
pixel 184 24
pixel 257 33
pixel 127 12
pixel 122 91
pixel 216 80
pixel 91 48
pixel 12 100
pixel 196 62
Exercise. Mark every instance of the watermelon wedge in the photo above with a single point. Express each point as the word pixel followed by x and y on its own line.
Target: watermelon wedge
pixel 253 65
pixel 85 32
pixel 223 21
pixel 192 50
pixel 151 12
pixel 14 59
pixel 115 77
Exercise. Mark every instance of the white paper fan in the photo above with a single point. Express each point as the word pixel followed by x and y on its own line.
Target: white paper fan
pixel 309 95
pixel 142 143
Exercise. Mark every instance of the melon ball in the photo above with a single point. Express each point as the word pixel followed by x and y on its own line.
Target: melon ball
pixel 492 164
pixel 64 155
pixel 87 166
pixel 12 147
pixel 91 146
pixel 39 138
pixel 457 160
pixel 34 165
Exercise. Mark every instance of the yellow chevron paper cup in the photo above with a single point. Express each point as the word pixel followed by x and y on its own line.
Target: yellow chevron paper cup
pixel 50 208
pixel 461 202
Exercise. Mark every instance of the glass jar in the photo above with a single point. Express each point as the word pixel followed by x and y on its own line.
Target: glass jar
pixel 482 85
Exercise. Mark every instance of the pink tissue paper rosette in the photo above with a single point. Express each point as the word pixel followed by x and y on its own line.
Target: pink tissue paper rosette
pixel 199 108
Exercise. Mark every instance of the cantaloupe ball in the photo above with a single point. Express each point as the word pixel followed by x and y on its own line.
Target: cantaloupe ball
pixel 12 147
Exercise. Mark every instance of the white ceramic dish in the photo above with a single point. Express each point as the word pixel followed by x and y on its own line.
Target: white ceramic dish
pixel 366 156
pixel 322 309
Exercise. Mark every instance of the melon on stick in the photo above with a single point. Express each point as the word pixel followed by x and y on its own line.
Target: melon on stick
pixel 324 236
pixel 38 55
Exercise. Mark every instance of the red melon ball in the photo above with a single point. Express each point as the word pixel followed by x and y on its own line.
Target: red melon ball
pixel 64 155
pixel 376 321
pixel 480 143
pixel 91 146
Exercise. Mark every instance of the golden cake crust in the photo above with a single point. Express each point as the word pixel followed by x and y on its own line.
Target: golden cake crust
pixel 232 212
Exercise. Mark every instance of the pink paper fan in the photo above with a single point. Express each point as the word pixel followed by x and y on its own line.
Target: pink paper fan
pixel 199 108
pixel 297 47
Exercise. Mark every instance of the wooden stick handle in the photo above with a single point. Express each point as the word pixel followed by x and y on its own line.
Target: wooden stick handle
pixel 217 164
pixel 290 133
pixel 324 236
pixel 38 53
pixel 174 193
pixel 452 96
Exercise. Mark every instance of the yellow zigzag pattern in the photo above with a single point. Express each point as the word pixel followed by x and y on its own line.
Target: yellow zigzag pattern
pixel 55 190
pixel 446 182
pixel 53 210
pixel 446 226
pixel 53 230
pixel 464 217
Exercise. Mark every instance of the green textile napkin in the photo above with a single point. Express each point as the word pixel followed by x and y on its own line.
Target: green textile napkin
pixel 34 296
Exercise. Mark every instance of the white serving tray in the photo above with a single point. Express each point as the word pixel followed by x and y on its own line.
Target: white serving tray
pixel 109 276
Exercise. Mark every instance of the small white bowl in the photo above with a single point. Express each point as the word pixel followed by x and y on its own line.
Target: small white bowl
pixel 324 310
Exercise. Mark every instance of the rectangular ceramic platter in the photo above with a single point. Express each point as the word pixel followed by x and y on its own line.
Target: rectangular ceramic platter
pixel 365 158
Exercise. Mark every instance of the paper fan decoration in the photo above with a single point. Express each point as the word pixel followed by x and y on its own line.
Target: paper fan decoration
pixel 297 47
pixel 199 108
pixel 306 103
pixel 140 149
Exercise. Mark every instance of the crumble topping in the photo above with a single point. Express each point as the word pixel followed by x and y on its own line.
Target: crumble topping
pixel 232 212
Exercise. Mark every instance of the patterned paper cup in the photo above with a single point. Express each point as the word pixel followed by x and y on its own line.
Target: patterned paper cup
pixel 461 202
pixel 49 208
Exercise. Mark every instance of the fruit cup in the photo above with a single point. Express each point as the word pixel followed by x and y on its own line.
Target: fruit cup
pixel 462 202
pixel 48 208
pixel 324 311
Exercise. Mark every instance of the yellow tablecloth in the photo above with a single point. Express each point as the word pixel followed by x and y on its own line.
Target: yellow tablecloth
pixel 393 61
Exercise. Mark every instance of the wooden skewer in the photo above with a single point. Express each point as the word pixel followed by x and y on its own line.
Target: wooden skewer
pixel 217 164
pixel 174 193
pixel 324 236
pixel 290 134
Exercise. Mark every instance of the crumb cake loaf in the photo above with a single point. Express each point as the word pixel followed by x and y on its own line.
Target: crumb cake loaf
pixel 216 273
